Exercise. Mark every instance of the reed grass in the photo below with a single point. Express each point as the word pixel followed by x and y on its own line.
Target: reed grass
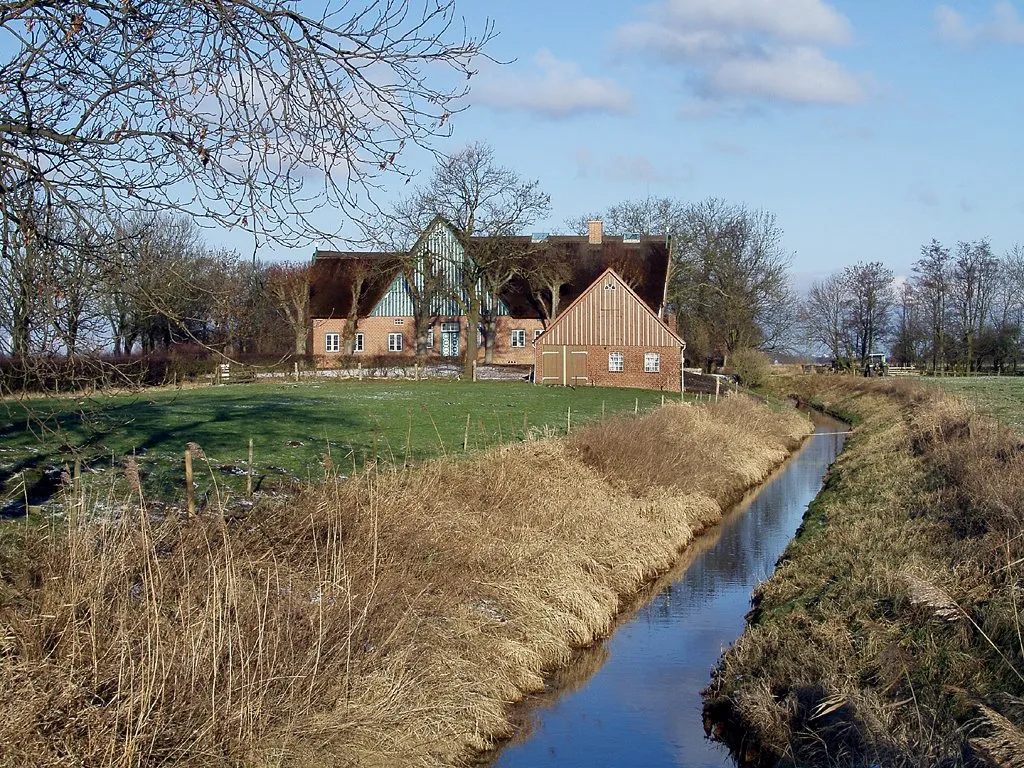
pixel 389 619
pixel 891 633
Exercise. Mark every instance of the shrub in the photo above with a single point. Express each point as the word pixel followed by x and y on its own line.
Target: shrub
pixel 751 366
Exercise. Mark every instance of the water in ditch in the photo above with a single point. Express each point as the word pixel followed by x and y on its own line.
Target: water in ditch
pixel 634 700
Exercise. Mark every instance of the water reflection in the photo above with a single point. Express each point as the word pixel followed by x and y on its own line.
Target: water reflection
pixel 635 699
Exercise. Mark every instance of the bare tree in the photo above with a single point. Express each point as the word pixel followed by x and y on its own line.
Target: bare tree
pixel 288 287
pixel 931 285
pixel 872 298
pixel 246 112
pixel 825 317
pixel 730 281
pixel 548 270
pixel 478 197
pixel 972 288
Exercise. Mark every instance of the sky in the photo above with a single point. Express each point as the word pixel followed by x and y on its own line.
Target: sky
pixel 868 127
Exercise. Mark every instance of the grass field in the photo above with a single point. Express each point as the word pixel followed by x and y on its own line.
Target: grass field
pixel 293 428
pixel 1001 397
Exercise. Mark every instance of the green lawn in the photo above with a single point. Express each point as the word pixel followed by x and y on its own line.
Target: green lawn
pixel 1001 397
pixel 293 427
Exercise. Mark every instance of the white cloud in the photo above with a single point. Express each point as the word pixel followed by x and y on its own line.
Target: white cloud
pixel 1005 26
pixel 558 89
pixel 804 20
pixel 796 75
pixel 635 168
pixel 749 51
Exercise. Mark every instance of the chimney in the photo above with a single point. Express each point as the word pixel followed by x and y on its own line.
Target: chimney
pixel 595 231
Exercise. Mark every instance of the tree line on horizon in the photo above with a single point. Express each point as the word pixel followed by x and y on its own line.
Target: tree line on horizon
pixel 961 308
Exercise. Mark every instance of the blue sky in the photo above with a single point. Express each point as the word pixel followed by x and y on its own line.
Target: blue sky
pixel 867 127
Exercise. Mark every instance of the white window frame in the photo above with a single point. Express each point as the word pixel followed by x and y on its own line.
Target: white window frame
pixel 396 342
pixel 537 332
pixel 399 321
pixel 359 342
pixel 332 342
pixel 652 362
pixel 518 338
pixel 430 337
pixel 616 362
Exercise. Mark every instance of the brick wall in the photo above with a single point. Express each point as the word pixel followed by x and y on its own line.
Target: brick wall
pixel 376 330
pixel 633 374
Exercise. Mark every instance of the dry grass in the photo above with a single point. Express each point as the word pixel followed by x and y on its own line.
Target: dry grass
pixel 390 619
pixel 893 631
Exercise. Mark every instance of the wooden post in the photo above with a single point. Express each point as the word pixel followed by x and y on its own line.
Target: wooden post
pixel 474 370
pixel 526 428
pixel 189 490
pixel 416 371
pixel 359 371
pixel 296 371
pixel 718 383
pixel 602 410
pixel 568 420
pixel 636 406
pixel 465 436
pixel 662 399
pixel 248 479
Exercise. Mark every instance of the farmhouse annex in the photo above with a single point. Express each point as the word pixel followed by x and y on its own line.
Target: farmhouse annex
pixel 610 337
pixel 369 304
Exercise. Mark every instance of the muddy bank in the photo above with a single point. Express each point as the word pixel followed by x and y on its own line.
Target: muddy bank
pixel 390 619
pixel 889 634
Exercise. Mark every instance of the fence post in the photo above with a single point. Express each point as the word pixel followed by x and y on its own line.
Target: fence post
pixel 636 406
pixel 189 491
pixel 474 370
pixel 718 383
pixel 465 436
pixel 568 420
pixel 296 371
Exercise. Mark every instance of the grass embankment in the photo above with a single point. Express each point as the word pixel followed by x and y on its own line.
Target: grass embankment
pixel 891 633
pixel 387 620
pixel 293 428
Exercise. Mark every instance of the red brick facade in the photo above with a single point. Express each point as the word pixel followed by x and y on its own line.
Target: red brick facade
pixel 598 365
pixel 377 330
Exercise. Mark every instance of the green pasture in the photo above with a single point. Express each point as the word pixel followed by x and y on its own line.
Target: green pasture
pixel 1001 397
pixel 294 427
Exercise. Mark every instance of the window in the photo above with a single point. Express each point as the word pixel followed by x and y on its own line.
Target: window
pixel 518 338
pixel 537 332
pixel 358 343
pixel 430 337
pixel 652 362
pixel 332 342
pixel 399 321
pixel 395 342
pixel 616 362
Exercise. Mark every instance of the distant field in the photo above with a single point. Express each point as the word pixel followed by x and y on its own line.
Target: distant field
pixel 293 427
pixel 1001 397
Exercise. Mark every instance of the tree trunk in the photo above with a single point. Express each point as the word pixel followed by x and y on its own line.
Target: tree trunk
pixel 472 328
pixel 490 336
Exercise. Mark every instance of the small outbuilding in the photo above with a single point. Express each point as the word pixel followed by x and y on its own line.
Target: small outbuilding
pixel 610 337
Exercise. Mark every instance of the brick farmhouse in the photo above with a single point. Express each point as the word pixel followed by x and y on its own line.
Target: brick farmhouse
pixel 364 304
pixel 610 337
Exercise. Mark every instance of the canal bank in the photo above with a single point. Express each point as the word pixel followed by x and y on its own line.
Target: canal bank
pixel 890 632
pixel 385 619
pixel 635 699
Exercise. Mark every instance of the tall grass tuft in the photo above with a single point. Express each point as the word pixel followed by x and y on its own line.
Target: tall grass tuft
pixel 387 619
